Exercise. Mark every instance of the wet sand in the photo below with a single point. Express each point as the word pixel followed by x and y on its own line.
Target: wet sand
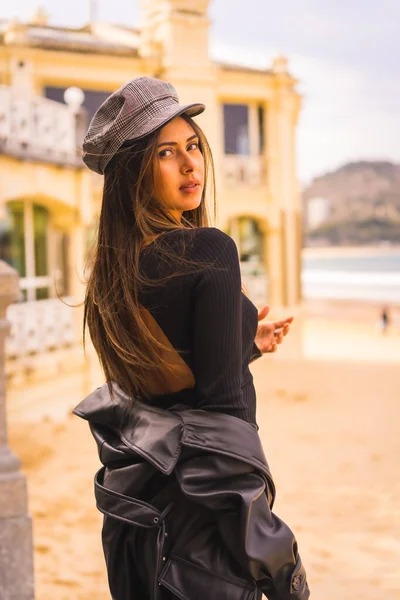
pixel 330 428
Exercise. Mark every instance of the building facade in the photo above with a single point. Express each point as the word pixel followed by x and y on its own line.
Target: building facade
pixel 53 79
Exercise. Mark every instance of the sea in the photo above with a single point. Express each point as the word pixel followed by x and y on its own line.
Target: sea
pixel 370 275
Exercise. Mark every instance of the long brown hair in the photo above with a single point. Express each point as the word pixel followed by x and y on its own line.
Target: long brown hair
pixel 130 217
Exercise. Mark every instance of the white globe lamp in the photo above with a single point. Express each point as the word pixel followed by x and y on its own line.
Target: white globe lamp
pixel 74 98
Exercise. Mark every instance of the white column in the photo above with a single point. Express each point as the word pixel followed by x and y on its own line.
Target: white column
pixel 29 247
pixel 273 264
pixel 253 130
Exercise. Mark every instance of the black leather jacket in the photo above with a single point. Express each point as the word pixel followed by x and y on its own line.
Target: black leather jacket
pixel 187 496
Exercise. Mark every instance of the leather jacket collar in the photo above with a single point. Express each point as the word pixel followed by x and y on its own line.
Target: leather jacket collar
pixel 158 435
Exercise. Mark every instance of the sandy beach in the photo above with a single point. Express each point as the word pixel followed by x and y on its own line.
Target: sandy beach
pixel 329 421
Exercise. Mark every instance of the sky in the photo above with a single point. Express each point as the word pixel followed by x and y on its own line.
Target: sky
pixel 346 55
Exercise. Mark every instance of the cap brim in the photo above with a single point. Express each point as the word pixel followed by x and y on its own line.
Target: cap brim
pixel 170 113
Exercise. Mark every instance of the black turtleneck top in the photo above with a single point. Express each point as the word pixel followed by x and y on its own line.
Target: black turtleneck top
pixel 206 315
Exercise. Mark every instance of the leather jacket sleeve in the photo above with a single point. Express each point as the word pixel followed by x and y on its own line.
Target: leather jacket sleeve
pixel 259 541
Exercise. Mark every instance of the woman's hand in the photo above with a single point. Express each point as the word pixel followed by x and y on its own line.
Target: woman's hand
pixel 269 335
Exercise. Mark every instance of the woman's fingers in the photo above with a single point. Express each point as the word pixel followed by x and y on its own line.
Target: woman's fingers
pixel 283 322
pixel 278 336
pixel 263 312
pixel 282 331
pixel 279 333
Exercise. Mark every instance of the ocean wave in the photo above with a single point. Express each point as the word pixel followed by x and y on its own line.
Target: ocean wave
pixel 373 294
pixel 316 276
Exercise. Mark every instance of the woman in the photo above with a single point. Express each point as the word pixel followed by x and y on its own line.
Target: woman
pixel 185 487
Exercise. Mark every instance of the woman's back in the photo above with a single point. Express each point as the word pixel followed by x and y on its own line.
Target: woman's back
pixel 207 317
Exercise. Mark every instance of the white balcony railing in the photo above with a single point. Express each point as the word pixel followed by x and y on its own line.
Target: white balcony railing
pixel 39 326
pixel 255 280
pixel 242 170
pixel 37 128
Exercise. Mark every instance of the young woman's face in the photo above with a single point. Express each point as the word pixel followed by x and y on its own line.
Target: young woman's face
pixel 179 176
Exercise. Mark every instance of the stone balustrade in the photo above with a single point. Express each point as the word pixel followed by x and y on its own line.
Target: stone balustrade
pixel 37 128
pixel 239 170
pixel 255 280
pixel 39 326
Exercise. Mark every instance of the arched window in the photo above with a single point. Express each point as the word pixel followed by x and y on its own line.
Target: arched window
pixel 35 249
pixel 12 237
pixel 250 240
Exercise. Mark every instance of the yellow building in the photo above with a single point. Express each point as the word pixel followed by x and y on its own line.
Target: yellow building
pixel 49 200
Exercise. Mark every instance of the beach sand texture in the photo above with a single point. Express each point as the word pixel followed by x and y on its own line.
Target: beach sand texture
pixel 330 430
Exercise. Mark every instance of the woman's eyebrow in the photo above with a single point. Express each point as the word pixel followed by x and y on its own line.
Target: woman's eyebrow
pixel 175 143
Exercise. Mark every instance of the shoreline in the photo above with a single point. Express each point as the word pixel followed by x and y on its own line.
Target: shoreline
pixel 362 312
pixel 338 251
pixel 348 304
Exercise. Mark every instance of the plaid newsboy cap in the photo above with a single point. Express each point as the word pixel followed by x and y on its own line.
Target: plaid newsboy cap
pixel 136 109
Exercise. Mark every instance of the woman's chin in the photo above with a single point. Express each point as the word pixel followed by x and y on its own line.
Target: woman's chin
pixel 191 204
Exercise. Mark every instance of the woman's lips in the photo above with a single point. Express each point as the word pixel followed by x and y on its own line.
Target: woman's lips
pixel 190 189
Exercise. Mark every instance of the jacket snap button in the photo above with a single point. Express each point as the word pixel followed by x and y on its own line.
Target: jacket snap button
pixel 297 581
pixel 155 520
pixel 163 558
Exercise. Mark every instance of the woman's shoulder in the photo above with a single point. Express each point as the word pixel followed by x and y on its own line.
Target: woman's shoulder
pixel 198 232
pixel 214 243
pixel 209 241
pixel 211 233
pixel 207 247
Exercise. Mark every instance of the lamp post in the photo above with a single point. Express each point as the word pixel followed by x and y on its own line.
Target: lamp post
pixel 16 549
pixel 74 98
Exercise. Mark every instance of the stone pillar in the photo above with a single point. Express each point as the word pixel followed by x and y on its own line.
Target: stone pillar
pixel 16 550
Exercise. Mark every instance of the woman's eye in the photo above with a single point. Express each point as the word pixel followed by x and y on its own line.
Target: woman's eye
pixel 168 151
pixel 164 152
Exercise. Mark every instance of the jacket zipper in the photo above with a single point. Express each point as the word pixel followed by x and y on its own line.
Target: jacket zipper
pixel 160 546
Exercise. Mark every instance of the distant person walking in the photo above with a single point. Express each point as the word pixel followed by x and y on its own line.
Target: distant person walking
pixel 384 321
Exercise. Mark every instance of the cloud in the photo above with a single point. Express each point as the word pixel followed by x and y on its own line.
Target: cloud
pixel 343 118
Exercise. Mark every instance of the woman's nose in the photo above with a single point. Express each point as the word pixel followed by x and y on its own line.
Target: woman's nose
pixel 188 163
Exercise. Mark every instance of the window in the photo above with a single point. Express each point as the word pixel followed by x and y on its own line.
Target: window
pixel 12 237
pixel 261 129
pixel 60 247
pixel 250 239
pixel 37 251
pixel 40 235
pixel 236 129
